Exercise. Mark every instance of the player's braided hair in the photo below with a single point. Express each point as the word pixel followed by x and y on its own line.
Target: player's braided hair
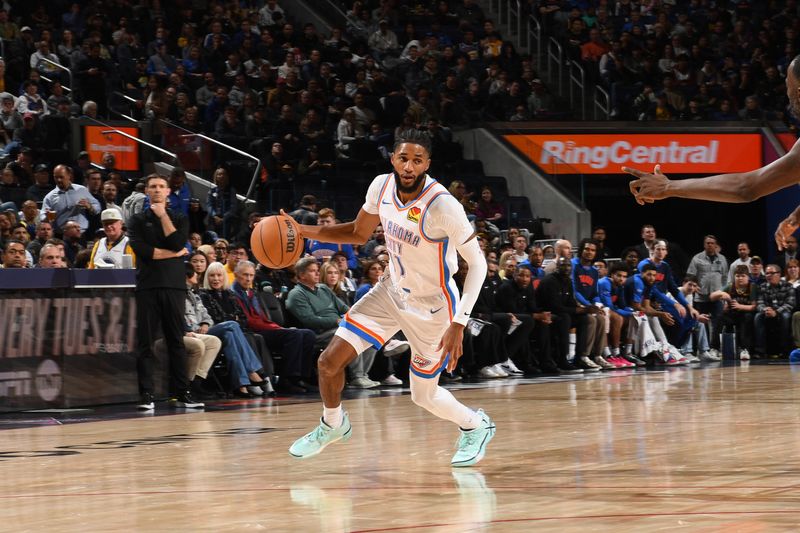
pixel 414 136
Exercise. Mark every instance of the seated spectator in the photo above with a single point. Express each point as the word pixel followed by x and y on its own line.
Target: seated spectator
pixel 12 193
pixel 324 250
pixel 73 241
pixel 348 283
pixel 739 307
pixel 650 339
pixel 222 206
pixel 316 307
pixel 110 251
pixel 373 271
pixel 297 345
pixel 774 306
pixel 243 363
pixel 329 276
pixel 236 252
pixel 489 209
pixel 14 255
pixel 51 256
pixel 611 292
pixel 696 342
pixel 555 295
pixel 306 211
pixel 525 322
pixel 199 261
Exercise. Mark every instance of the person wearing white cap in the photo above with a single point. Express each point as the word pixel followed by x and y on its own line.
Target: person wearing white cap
pixel 109 251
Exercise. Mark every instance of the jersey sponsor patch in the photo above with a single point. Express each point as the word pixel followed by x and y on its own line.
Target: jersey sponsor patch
pixel 413 214
pixel 420 361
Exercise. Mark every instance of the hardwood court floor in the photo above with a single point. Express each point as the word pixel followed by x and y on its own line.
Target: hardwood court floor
pixel 704 449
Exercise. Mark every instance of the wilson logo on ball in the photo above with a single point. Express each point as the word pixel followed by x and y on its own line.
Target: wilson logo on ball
pixel 291 236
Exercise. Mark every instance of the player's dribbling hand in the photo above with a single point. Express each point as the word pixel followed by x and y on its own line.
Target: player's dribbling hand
pixel 648 188
pixel 452 343
pixel 787 228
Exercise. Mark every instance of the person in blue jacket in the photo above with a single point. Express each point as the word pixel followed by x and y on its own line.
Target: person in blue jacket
pixel 611 290
pixel 682 311
pixel 584 283
pixel 324 250
pixel 640 291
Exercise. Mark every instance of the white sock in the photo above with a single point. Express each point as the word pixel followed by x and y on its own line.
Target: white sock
pixel 427 393
pixel 572 339
pixel 628 349
pixel 332 416
pixel 615 351
pixel 606 352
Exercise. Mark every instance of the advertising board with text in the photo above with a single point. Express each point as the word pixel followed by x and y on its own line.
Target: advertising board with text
pixel 676 153
pixel 125 150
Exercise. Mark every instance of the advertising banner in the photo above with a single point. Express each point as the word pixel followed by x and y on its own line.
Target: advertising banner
pixel 606 153
pixel 125 150
pixel 62 347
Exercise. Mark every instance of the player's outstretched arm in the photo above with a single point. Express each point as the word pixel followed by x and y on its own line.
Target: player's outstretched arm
pixel 737 187
pixel 357 232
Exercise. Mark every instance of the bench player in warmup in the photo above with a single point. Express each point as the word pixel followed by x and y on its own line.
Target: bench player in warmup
pixel 424 227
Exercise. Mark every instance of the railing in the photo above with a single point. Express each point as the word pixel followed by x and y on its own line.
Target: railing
pixel 125 97
pixel 555 64
pixel 577 78
pixel 58 66
pixel 237 151
pixel 602 106
pixel 140 141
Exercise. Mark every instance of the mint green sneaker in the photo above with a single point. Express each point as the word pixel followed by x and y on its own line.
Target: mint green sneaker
pixel 472 444
pixel 316 441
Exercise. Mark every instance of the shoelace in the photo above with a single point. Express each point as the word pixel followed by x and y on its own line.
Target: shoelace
pixel 317 434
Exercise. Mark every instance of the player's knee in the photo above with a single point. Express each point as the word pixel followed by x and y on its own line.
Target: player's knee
pixel 422 397
pixel 333 359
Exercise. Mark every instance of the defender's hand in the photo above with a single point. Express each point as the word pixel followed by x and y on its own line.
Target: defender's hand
pixel 787 228
pixel 648 188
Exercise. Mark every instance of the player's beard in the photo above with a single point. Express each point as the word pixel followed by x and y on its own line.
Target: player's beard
pixel 794 105
pixel 407 190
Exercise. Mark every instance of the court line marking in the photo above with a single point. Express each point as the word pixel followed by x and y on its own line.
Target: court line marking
pixel 586 517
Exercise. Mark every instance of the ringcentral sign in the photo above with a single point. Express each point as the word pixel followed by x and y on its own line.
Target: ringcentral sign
pixel 606 153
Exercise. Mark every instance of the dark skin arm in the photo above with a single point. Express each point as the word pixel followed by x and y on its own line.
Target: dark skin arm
pixel 357 232
pixel 737 187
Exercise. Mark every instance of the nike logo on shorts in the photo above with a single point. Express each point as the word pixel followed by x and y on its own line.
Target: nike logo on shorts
pixel 385 202
pixel 436 310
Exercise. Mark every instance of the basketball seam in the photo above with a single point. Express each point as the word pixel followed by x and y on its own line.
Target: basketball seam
pixel 264 249
pixel 281 241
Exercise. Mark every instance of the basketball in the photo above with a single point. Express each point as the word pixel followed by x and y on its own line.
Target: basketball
pixel 276 241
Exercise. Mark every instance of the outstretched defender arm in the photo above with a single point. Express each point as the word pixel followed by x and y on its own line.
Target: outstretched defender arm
pixel 737 187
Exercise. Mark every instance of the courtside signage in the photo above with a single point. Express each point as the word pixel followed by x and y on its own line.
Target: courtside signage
pixel 677 154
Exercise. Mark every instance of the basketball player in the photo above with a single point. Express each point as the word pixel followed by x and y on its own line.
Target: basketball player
pixel 424 227
pixel 737 187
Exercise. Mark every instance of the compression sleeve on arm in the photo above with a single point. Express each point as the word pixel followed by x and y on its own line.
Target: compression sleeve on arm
pixel 471 252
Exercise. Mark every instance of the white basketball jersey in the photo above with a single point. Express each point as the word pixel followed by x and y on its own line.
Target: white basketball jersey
pixel 421 237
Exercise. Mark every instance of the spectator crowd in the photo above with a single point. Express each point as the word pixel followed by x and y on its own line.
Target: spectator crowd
pixel 304 103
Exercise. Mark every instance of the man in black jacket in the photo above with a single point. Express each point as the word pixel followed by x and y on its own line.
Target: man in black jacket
pixel 157 236
pixel 516 298
pixel 555 294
